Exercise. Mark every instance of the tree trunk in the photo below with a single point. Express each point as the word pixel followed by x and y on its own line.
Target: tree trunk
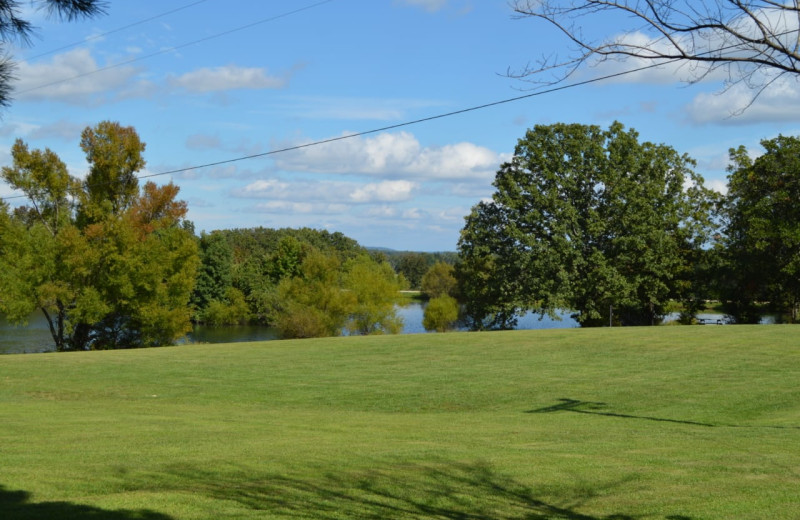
pixel 56 329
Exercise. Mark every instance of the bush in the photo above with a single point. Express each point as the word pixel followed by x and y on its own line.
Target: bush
pixel 441 314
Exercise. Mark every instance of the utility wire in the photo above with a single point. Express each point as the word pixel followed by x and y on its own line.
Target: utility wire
pixel 413 122
pixel 112 31
pixel 391 127
pixel 175 48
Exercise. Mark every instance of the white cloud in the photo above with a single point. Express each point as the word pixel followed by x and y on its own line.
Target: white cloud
pixel 381 212
pixel 328 191
pixel 386 191
pixel 283 207
pixel 640 70
pixel 73 77
pixel 779 102
pixel 394 155
pixel 415 214
pixel 229 77
pixel 717 185
pixel 775 21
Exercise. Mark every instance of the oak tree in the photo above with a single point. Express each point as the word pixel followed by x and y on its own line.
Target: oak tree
pixel 585 219
pixel 762 230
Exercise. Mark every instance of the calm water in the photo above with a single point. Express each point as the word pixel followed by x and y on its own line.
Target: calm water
pixel 35 337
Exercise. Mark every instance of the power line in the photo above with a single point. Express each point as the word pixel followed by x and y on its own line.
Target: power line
pixel 395 126
pixel 112 31
pixel 177 47
pixel 416 121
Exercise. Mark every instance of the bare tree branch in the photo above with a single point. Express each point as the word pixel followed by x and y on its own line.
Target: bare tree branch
pixel 750 42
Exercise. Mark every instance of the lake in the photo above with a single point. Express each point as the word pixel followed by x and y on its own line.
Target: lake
pixel 35 337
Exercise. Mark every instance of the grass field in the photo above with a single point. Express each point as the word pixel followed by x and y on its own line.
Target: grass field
pixel 666 423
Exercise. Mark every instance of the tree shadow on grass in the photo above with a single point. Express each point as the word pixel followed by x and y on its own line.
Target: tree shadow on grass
pixel 16 505
pixel 595 408
pixel 410 491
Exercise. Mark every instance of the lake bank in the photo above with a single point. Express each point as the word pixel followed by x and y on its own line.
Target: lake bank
pixel 35 337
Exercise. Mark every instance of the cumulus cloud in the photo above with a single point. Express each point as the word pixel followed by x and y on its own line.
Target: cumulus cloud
pixel 735 106
pixel 718 185
pixel 72 77
pixel 381 212
pixel 640 70
pixel 781 23
pixel 328 191
pixel 386 191
pixel 394 155
pixel 288 207
pixel 229 77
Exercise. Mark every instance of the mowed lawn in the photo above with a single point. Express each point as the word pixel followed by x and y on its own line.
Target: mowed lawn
pixel 666 423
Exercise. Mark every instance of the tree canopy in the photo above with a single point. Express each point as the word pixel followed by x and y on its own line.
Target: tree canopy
pixel 109 267
pixel 585 219
pixel 762 230
pixel 304 282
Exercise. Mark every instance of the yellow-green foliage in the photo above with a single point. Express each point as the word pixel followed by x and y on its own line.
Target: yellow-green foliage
pixel 231 311
pixel 328 297
pixel 109 264
pixel 441 314
pixel 439 280
pixel 375 286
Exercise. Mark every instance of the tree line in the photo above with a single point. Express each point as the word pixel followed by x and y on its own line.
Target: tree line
pixel 112 264
pixel 304 282
pixel 582 218
pixel 614 229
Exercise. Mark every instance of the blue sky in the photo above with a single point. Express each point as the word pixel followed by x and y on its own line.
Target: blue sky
pixel 217 80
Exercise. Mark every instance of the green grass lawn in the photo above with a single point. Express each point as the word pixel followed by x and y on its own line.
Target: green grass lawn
pixel 666 423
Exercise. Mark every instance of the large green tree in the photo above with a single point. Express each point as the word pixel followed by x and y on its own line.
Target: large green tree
pixel 585 219
pixel 108 271
pixel 762 230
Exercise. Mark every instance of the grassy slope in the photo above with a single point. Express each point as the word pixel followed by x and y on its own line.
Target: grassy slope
pixel 645 423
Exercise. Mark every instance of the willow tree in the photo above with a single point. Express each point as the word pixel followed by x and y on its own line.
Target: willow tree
pixel 107 271
pixel 585 219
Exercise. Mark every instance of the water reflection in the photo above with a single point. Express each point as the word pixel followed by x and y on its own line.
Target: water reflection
pixel 412 319
pixel 35 337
